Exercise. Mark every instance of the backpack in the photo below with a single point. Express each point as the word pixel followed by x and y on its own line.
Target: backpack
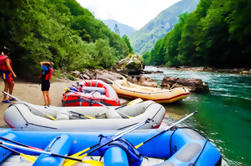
pixel 2 62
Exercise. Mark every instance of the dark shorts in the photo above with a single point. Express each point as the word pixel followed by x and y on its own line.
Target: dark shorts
pixel 45 86
pixel 6 76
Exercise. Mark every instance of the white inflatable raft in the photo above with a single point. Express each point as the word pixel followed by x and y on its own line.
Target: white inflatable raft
pixel 27 116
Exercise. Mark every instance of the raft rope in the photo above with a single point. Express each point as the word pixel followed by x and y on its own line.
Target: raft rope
pixel 201 152
pixel 171 137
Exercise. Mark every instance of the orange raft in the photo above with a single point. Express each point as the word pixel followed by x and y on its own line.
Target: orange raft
pixel 90 93
pixel 130 90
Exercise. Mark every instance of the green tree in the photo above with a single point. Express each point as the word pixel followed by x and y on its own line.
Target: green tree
pixel 116 29
pixel 60 31
pixel 127 41
pixel 216 34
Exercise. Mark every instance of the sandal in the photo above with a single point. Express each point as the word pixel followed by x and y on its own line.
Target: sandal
pixel 6 101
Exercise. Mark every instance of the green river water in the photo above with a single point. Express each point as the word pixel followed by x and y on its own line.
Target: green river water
pixel 224 114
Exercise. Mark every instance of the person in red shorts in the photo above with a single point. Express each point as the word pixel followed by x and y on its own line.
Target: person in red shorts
pixel 7 74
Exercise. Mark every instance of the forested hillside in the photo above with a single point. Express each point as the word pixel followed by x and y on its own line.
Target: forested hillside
pixel 216 34
pixel 60 31
pixel 144 39
pixel 119 28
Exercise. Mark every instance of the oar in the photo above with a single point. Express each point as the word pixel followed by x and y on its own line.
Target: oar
pixel 115 137
pixel 35 150
pixel 29 158
pixel 169 127
pixel 79 115
pixel 17 99
pixel 18 143
pixel 118 133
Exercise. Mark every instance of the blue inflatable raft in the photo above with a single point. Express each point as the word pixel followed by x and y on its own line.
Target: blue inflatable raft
pixel 177 147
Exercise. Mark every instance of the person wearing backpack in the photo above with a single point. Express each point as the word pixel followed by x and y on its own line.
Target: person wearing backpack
pixel 45 77
pixel 7 74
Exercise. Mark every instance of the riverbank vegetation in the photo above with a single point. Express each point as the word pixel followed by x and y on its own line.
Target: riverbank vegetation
pixel 216 34
pixel 60 31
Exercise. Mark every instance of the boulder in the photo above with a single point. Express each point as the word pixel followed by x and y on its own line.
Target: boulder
pixel 194 85
pixel 144 81
pixel 104 75
pixel 133 65
pixel 76 73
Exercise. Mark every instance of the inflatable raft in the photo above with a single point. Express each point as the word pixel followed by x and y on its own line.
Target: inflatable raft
pixel 90 93
pixel 130 90
pixel 28 116
pixel 177 147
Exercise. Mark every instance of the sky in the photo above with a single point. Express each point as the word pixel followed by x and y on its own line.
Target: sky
pixel 135 13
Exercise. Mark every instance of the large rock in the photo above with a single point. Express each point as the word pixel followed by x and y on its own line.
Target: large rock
pixel 104 75
pixel 144 81
pixel 194 85
pixel 133 65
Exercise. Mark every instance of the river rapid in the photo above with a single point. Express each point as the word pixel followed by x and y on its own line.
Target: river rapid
pixel 224 114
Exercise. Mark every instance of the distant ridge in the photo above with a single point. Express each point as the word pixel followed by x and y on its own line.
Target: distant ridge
pixel 123 28
pixel 144 39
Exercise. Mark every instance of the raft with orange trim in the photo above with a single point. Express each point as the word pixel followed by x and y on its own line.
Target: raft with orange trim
pixel 130 90
pixel 90 93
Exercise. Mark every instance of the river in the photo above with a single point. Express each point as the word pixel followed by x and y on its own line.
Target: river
pixel 224 114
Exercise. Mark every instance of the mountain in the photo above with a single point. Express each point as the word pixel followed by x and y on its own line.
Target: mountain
pixel 144 39
pixel 122 28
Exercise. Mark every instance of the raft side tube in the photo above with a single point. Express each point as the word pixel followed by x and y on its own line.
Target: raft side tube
pixel 188 147
pixel 115 156
pixel 59 145
pixel 3 152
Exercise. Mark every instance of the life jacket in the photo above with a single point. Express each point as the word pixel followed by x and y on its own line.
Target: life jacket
pixel 3 65
pixel 134 156
pixel 47 74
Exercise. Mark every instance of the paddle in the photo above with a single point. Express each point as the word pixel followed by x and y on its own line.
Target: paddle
pixel 36 150
pixel 18 143
pixel 118 133
pixel 166 129
pixel 115 137
pixel 27 157
pixel 17 99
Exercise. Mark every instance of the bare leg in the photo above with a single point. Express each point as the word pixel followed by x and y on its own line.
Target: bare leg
pixel 45 98
pixel 48 98
pixel 11 86
pixel 6 88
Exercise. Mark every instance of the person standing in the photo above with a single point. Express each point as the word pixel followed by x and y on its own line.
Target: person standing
pixel 45 77
pixel 7 74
